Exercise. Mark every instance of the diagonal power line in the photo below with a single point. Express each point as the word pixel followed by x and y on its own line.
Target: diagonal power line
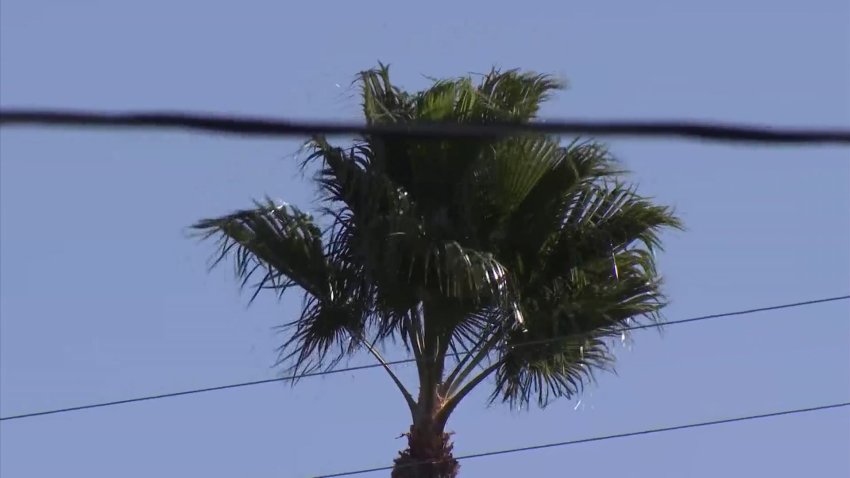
pixel 403 361
pixel 259 126
pixel 608 437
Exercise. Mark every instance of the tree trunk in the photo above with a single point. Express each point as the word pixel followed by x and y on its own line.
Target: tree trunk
pixel 429 449
pixel 428 453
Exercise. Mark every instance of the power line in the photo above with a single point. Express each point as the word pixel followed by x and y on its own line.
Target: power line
pixel 257 126
pixel 403 361
pixel 706 317
pixel 608 437
pixel 199 390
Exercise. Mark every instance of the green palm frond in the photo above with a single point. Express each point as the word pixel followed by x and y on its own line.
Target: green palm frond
pixel 285 246
pixel 565 337
pixel 279 240
pixel 595 278
pixel 600 222
pixel 539 215
pixel 325 324
pixel 549 370
pixel 500 181
pixel 382 101
pixel 515 96
pixel 442 101
pixel 464 275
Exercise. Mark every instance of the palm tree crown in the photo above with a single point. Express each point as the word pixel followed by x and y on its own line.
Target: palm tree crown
pixel 515 258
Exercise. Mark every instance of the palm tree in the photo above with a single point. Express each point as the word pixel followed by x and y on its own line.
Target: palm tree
pixel 516 258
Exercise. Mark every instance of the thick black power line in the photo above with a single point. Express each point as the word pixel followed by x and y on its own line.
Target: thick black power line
pixel 258 126
pixel 608 437
pixel 403 361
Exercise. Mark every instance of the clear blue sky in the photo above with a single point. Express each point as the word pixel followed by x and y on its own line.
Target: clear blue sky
pixel 104 298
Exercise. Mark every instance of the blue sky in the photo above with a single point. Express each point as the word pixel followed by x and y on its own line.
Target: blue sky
pixel 104 298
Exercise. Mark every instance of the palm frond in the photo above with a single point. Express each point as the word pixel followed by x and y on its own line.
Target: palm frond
pixel 326 325
pixel 286 246
pixel 382 101
pixel 535 221
pixel 600 222
pixel 548 371
pixel 594 274
pixel 568 320
pixel 439 102
pixel 502 178
pixel 515 96
pixel 280 240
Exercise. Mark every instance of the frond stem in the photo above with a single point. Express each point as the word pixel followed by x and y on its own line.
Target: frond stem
pixel 414 324
pixel 452 402
pixel 459 373
pixel 411 403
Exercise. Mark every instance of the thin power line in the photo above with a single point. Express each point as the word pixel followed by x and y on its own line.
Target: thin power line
pixel 403 361
pixel 608 437
pixel 258 126
pixel 706 317
pixel 200 390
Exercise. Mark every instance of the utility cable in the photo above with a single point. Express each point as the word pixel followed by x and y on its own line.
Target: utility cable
pixel 403 361
pixel 260 126
pixel 607 437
